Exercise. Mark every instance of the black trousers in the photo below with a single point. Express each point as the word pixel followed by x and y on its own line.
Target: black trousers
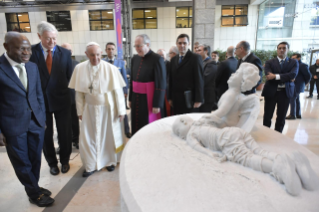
pixel 25 152
pixel 312 86
pixel 282 101
pixel 63 125
pixel 75 124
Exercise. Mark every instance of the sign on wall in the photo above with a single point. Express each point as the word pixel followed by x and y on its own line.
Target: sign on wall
pixel 275 22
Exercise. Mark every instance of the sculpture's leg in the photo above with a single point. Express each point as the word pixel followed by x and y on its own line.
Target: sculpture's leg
pixel 284 171
pixel 308 177
pixel 252 144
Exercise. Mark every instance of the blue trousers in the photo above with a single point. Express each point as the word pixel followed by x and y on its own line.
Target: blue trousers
pixel 24 152
pixel 295 106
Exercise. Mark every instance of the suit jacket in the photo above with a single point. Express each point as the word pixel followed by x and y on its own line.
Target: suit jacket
pixel 121 66
pixel 210 72
pixel 302 78
pixel 16 104
pixel 55 86
pixel 252 58
pixel 313 71
pixel 186 76
pixel 288 73
pixel 225 69
pixel 72 91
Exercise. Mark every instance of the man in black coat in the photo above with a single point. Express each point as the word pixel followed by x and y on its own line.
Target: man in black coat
pixel 225 69
pixel 279 88
pixel 242 51
pixel 186 85
pixel 55 68
pixel 314 70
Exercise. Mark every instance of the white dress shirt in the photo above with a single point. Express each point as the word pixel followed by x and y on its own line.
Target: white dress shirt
pixel 13 64
pixel 45 52
pixel 245 57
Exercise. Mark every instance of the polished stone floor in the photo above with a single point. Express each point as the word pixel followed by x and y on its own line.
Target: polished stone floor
pixel 100 192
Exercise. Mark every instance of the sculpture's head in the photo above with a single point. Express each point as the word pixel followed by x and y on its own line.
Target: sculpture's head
pixel 245 78
pixel 182 125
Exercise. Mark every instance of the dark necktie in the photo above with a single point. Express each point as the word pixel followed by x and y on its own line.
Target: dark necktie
pixel 281 64
pixel 49 61
pixel 180 59
pixel 111 61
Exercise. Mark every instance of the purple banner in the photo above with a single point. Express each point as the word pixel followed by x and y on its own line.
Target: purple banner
pixel 118 24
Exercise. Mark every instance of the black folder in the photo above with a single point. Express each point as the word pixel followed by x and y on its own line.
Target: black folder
pixel 188 99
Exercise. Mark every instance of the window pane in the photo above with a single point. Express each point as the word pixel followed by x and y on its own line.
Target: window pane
pixel 227 10
pixel 190 23
pixel 182 12
pixel 138 14
pixel 149 13
pixel 94 15
pixel 181 22
pixel 23 17
pixel 25 27
pixel 150 23
pixel 107 25
pixel 138 24
pixel 107 14
pixel 13 27
pixel 241 20
pixel 191 12
pixel 227 21
pixel 95 25
pixel 11 17
pixel 241 10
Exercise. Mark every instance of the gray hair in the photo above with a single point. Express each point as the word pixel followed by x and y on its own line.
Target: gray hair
pixel 92 44
pixel 46 26
pixel 174 49
pixel 230 51
pixel 10 35
pixel 146 39
pixel 245 45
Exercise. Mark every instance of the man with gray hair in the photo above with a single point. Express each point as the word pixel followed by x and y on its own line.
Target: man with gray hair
pixel 55 68
pixel 173 51
pixel 242 51
pixel 224 71
pixel 99 101
pixel 148 83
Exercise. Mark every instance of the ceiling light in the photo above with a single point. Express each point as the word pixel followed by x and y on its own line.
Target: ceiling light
pixel 177 10
pixel 19 15
pixel 147 11
pixel 109 12
pixel 27 27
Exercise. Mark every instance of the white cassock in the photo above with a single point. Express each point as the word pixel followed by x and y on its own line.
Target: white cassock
pixel 100 101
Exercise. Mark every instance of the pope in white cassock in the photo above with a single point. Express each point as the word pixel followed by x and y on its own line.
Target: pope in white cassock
pixel 100 106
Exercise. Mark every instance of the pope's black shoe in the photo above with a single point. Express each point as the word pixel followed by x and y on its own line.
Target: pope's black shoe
pixel 128 135
pixel 65 168
pixel 110 168
pixel 86 174
pixel 45 191
pixel 54 170
pixel 42 201
pixel 290 117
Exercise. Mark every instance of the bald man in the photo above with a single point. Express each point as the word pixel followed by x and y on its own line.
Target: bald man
pixel 22 115
pixel 224 71
pixel 74 116
pixel 99 101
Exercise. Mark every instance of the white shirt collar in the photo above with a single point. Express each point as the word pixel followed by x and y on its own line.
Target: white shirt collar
pixel 281 59
pixel 108 59
pixel 12 62
pixel 245 57
pixel 45 49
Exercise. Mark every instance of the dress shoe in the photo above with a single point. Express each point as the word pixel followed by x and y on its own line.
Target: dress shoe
pixel 65 168
pixel 42 201
pixel 110 168
pixel 128 135
pixel 310 96
pixel 54 170
pixel 76 145
pixel 86 174
pixel 291 117
pixel 45 191
pixel 57 150
pixel 298 117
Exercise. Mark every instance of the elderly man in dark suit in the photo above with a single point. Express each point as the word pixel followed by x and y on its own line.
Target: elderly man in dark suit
pixel 301 80
pixel 55 68
pixel 279 88
pixel 186 84
pixel 22 115
pixel 242 51
pixel 225 69
pixel 314 70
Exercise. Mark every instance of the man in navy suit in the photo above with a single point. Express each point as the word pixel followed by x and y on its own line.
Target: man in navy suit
pixel 22 115
pixel 55 68
pixel 279 88
pixel 301 80
pixel 110 51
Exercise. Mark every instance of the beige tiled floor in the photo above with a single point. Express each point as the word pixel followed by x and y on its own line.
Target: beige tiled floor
pixel 100 192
